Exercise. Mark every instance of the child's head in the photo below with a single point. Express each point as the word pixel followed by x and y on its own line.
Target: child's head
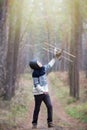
pixel 35 64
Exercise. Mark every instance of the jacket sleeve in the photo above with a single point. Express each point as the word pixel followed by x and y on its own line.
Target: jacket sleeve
pixel 49 65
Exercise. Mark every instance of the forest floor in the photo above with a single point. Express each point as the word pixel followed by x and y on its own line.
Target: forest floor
pixel 21 118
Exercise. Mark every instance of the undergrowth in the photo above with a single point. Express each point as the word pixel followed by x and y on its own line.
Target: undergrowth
pixel 78 111
pixel 75 108
pixel 18 107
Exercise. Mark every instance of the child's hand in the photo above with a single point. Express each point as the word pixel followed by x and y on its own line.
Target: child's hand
pixel 57 54
pixel 45 93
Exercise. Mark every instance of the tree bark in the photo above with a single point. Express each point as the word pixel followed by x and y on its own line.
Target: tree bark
pixel 3 43
pixel 13 49
pixel 75 36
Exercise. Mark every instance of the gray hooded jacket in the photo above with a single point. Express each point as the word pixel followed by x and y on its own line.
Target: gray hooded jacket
pixel 40 84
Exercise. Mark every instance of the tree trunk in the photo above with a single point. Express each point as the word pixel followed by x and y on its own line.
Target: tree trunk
pixel 75 35
pixel 16 43
pixel 9 59
pixel 13 48
pixel 3 43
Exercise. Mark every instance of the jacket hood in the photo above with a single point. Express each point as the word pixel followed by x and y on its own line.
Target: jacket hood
pixel 33 65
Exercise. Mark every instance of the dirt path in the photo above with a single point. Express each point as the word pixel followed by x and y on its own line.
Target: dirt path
pixel 61 119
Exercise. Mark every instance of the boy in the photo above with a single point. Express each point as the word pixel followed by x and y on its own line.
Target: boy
pixel 40 89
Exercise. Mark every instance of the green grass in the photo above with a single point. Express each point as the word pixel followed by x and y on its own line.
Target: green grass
pixel 71 100
pixel 73 107
pixel 19 110
pixel 61 91
pixel 78 112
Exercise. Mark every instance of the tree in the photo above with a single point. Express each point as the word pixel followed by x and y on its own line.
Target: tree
pixel 75 41
pixel 3 42
pixel 13 48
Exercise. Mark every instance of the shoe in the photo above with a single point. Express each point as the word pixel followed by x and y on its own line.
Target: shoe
pixel 50 124
pixel 34 126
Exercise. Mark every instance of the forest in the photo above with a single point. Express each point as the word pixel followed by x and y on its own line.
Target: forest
pixel 32 29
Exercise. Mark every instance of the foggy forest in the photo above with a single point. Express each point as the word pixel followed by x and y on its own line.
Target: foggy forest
pixel 33 29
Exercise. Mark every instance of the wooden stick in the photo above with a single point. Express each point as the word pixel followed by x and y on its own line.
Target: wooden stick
pixel 69 53
pixel 67 59
pixel 52 53
pixel 47 50
pixel 60 50
pixel 53 46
